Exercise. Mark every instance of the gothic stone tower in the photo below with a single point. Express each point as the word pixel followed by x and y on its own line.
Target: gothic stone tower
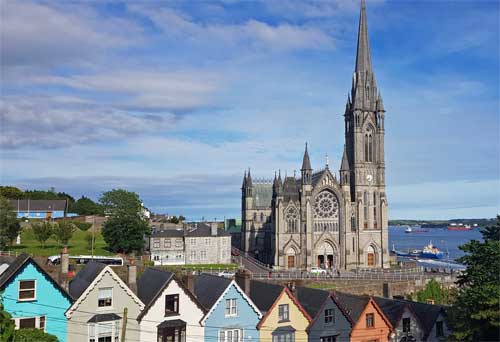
pixel 363 163
pixel 315 219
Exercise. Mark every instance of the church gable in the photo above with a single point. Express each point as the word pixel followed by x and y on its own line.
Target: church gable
pixel 324 178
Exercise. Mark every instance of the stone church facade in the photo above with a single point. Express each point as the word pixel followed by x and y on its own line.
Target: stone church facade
pixel 319 219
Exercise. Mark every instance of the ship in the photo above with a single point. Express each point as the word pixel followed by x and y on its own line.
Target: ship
pixel 429 252
pixel 415 229
pixel 459 226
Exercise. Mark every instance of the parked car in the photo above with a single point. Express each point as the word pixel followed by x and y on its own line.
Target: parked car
pixel 226 274
pixel 318 270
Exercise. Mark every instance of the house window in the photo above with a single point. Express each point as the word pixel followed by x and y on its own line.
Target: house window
pixel 406 324
pixel 230 335
pixel 27 290
pixel 156 243
pixel 193 255
pixel 167 243
pixel 104 332
pixel 178 243
pixel 283 312
pixel 171 304
pixel 105 297
pixel 207 241
pixel 41 323
pixel 231 309
pixel 193 242
pixel 329 316
pixel 370 320
pixel 203 255
pixel 284 337
pixel 328 339
pixel 27 323
pixel 439 329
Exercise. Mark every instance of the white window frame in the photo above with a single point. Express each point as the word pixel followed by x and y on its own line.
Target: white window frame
pixel 203 255
pixel 19 291
pixel 193 241
pixel 224 336
pixel 281 315
pixel 231 307
pixel 115 330
pixel 17 322
pixel 106 307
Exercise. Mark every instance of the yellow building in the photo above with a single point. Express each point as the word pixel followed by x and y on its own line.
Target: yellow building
pixel 285 321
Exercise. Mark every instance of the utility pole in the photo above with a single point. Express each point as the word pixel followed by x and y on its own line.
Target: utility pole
pixel 124 324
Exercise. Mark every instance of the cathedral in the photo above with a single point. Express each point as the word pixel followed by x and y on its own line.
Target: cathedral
pixel 319 219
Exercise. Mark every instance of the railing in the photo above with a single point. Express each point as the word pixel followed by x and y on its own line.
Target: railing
pixel 250 258
pixel 341 276
pixel 9 253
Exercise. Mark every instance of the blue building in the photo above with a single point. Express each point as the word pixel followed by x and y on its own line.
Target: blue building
pixel 39 209
pixel 33 298
pixel 231 314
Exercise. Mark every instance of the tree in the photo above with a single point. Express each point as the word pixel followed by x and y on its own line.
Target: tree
pixel 85 206
pixel 435 291
pixel 63 231
pixel 9 224
pixel 174 219
pixel 11 192
pixel 30 335
pixel 182 218
pixel 126 226
pixel 83 226
pixel 89 239
pixel 475 316
pixel 42 231
pixel 7 325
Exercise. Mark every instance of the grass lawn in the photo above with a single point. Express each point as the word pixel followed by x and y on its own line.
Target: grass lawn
pixel 77 245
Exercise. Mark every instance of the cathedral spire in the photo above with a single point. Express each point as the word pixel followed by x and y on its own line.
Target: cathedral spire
pixel 344 166
pixel 306 163
pixel 363 56
pixel 249 179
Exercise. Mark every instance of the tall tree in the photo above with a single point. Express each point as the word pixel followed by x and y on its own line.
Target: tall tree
pixel 475 316
pixel 63 231
pixel 85 206
pixel 42 231
pixel 126 226
pixel 9 224
pixel 11 192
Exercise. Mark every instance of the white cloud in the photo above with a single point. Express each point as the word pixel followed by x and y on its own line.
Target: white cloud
pixel 254 33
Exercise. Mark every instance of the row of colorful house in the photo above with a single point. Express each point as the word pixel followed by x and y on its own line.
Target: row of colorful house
pixel 99 306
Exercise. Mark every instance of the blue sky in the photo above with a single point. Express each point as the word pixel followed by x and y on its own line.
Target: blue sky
pixel 174 100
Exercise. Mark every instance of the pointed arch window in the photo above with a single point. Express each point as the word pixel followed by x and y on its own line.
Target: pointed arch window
pixel 368 144
pixel 291 219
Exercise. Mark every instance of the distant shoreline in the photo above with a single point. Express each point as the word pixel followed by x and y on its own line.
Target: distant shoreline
pixel 442 223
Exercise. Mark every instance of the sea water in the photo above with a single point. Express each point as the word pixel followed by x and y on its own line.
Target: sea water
pixel 445 240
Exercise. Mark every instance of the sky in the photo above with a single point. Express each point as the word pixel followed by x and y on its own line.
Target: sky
pixel 175 99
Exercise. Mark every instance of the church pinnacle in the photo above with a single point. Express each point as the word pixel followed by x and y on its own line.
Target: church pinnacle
pixel 363 56
pixel 306 163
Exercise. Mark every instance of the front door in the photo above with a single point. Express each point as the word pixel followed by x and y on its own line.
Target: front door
pixel 291 261
pixel 371 259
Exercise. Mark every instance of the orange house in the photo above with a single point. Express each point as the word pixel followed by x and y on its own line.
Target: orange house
pixel 370 323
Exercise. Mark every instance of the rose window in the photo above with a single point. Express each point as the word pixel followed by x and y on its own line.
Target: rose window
pixel 326 212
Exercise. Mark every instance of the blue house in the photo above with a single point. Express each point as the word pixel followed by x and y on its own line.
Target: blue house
pixel 231 314
pixel 39 209
pixel 33 298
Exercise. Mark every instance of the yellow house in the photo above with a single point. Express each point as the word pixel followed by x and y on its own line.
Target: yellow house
pixel 285 321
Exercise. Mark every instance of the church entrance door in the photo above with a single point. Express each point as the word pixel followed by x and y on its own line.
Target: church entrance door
pixel 291 261
pixel 321 260
pixel 329 262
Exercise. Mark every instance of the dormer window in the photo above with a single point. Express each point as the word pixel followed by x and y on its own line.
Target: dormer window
pixel 171 304
pixel 105 297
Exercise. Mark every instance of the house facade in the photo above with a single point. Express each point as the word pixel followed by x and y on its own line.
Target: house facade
pixel 330 321
pixel 285 321
pixel 231 314
pixel 172 313
pixel 197 243
pixel 99 308
pixel 33 298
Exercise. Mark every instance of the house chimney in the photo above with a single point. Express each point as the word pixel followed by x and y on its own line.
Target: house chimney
pixel 190 282
pixel 63 276
pixel 132 275
pixel 243 279
pixel 213 226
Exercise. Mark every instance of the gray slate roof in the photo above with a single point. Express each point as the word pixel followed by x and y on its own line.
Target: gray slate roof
pixel 151 282
pixel 38 205
pixel 208 288
pixel 291 189
pixel 263 295
pixel 427 315
pixel 203 230
pixel 353 304
pixel 84 278
pixel 104 318
pixel 159 233
pixel 393 309
pixel 311 299
pixel 262 193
